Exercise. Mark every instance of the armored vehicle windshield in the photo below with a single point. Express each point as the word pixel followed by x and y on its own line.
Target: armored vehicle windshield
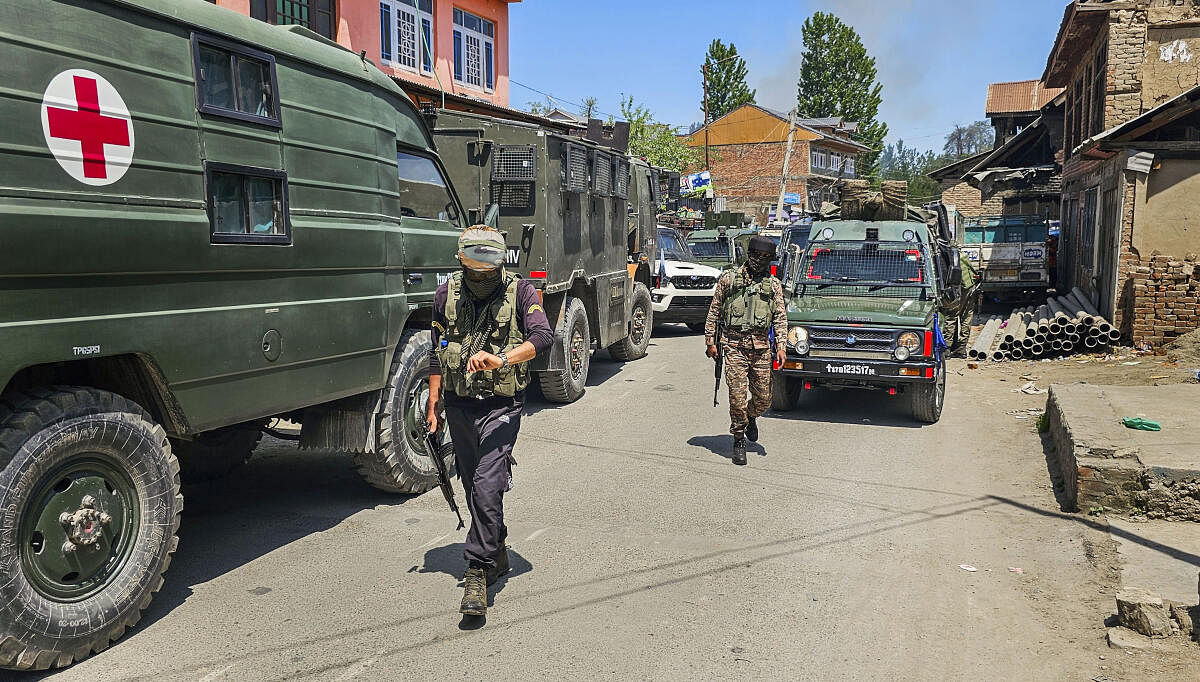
pixel 845 268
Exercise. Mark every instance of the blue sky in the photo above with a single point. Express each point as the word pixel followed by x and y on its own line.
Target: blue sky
pixel 935 57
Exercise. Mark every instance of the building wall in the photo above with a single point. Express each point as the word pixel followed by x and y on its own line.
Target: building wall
pixel 968 200
pixel 359 30
pixel 1165 219
pixel 747 125
pixel 748 175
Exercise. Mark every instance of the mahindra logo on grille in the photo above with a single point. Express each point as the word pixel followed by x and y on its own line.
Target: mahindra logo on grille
pixel 851 340
pixel 695 278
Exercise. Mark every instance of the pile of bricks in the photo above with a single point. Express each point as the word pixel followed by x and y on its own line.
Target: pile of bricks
pixel 1165 302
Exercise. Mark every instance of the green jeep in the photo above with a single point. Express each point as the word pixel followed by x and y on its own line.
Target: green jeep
pixel 210 223
pixel 872 304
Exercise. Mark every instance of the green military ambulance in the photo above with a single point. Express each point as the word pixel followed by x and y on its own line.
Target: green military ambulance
pixel 209 222
pixel 873 304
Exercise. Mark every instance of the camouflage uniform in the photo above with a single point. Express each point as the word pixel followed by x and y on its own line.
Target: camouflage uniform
pixel 748 355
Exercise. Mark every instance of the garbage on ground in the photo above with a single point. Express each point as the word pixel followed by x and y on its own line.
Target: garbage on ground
pixel 1017 570
pixel 1141 424
pixel 967 567
pixel 1030 388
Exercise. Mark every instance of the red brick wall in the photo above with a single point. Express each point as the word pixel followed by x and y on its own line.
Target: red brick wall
pixel 749 173
pixel 968 200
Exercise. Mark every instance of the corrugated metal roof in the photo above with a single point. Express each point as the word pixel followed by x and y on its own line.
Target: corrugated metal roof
pixel 1018 97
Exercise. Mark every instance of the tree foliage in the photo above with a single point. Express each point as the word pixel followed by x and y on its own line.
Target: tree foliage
pixel 587 109
pixel 540 108
pixel 901 162
pixel 655 141
pixel 838 78
pixel 968 140
pixel 725 72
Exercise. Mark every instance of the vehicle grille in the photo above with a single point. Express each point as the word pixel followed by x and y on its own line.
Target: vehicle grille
pixel 693 282
pixel 514 163
pixel 575 168
pixel 602 174
pixel 692 301
pixel 836 339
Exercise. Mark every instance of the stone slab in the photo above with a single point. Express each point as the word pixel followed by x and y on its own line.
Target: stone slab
pixel 1161 556
pixel 1105 465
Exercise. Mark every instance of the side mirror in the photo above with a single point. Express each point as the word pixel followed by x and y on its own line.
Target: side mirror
pixel 492 217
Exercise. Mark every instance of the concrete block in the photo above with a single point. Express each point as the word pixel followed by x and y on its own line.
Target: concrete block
pixel 1143 612
pixel 1121 638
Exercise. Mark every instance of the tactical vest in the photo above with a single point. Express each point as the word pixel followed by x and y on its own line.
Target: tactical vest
pixel 499 323
pixel 747 306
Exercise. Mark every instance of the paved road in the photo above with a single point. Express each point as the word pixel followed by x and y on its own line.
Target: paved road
pixel 641 552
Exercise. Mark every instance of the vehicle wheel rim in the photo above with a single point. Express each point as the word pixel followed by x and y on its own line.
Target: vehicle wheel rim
pixel 79 527
pixel 415 409
pixel 941 385
pixel 578 349
pixel 638 328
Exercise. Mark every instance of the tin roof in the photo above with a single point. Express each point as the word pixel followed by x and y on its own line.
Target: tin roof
pixel 1018 97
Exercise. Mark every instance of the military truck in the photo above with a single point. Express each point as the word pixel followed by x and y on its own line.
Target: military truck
pixel 717 248
pixel 210 222
pixel 872 300
pixel 577 214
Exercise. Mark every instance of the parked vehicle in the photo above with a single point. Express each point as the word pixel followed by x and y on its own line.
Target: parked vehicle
pixel 210 222
pixel 1009 252
pixel 717 248
pixel 577 214
pixel 871 304
pixel 683 286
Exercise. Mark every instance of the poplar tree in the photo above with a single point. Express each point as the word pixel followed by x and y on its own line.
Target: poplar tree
pixel 726 74
pixel 838 78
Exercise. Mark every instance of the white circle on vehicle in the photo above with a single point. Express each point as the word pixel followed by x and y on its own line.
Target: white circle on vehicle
pixel 87 127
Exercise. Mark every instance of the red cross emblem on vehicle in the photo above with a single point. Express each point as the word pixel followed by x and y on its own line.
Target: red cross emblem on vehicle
pixel 87 127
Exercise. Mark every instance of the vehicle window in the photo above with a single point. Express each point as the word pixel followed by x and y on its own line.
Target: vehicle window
pixel 235 81
pixel 423 190
pixel 672 247
pixel 865 263
pixel 247 205
pixel 1038 233
pixel 992 235
pixel 717 249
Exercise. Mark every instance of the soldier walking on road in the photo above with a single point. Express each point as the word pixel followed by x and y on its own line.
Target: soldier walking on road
pixel 487 324
pixel 747 303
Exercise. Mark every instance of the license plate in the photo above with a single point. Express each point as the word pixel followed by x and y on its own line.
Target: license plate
pixel 842 369
pixel 1004 274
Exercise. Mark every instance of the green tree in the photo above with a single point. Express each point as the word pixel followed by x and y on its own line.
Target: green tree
pixel 968 140
pixel 588 108
pixel 540 108
pixel 658 142
pixel 725 72
pixel 901 162
pixel 838 78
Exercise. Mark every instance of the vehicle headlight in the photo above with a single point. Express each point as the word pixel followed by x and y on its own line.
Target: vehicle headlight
pixel 798 339
pixel 910 341
pixel 901 353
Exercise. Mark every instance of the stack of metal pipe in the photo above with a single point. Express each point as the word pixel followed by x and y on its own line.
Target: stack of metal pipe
pixel 1061 326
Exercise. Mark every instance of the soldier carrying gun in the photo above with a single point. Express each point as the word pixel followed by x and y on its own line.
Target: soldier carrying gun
pixel 487 324
pixel 747 303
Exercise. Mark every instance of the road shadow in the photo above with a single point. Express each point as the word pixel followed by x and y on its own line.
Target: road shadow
pixel 850 406
pixel 449 559
pixel 671 330
pixel 280 496
pixel 723 445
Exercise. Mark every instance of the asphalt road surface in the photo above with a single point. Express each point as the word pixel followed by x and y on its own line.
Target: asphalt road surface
pixel 640 551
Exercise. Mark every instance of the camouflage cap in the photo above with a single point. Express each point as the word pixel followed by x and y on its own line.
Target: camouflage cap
pixel 481 248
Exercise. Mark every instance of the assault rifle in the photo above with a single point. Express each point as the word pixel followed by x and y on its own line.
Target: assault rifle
pixel 438 452
pixel 720 367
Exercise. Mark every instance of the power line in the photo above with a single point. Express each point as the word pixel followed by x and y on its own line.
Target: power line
pixel 559 99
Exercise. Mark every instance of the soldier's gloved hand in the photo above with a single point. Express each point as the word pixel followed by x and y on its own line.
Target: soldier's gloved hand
pixel 483 360
pixel 712 352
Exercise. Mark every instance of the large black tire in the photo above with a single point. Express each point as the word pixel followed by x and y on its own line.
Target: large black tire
pixel 785 392
pixel 401 464
pixel 214 454
pixel 89 486
pixel 928 399
pixel 567 385
pixel 697 327
pixel 641 323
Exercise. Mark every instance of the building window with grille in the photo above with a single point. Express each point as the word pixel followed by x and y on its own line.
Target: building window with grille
pixel 406 34
pixel 474 51
pixel 820 159
pixel 849 166
pixel 1099 88
pixel 315 15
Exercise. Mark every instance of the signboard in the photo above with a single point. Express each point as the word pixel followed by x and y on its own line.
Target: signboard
pixel 695 183
pixel 792 198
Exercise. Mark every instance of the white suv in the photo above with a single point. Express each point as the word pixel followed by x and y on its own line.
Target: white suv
pixel 683 288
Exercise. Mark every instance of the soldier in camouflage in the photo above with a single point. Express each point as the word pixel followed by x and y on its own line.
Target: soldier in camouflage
pixel 747 303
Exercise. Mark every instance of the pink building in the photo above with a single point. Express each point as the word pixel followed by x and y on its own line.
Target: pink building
pixel 456 46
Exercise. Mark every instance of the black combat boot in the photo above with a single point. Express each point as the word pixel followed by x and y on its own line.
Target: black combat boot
pixel 500 567
pixel 474 601
pixel 739 450
pixel 752 430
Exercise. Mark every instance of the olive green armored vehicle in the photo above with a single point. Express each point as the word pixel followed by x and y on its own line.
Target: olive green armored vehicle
pixel 579 219
pixel 209 222
pixel 874 301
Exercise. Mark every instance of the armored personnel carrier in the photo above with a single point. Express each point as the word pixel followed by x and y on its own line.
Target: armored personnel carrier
pixel 578 215
pixel 209 222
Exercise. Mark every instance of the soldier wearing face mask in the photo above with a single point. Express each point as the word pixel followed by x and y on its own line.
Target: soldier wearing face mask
pixel 487 324
pixel 747 303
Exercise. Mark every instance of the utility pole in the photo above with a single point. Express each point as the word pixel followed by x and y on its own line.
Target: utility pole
pixel 787 158
pixel 704 77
